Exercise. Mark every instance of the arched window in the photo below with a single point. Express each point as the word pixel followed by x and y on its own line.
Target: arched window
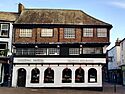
pixel 66 75
pixel 79 75
pixel 49 76
pixel 92 75
pixel 35 75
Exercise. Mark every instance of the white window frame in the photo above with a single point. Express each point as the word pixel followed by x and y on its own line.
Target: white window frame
pixel 69 32
pixel 4 30
pixel 88 32
pixel 53 51
pixel 46 32
pixel 101 32
pixel 74 51
pixel 25 33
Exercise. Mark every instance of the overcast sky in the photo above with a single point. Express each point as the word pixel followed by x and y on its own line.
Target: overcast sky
pixel 110 11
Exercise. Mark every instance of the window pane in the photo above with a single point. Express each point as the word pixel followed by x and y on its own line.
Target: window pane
pixel 69 32
pixel 79 75
pixel 91 50
pixel 4 29
pixel 101 32
pixel 47 32
pixel 25 33
pixel 19 51
pixel 88 32
pixel 53 51
pixel 35 75
pixel 73 51
pixel 92 75
pixel 41 51
pixel 4 26
pixel 66 75
pixel 49 76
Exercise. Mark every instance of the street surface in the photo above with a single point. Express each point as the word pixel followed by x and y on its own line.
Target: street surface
pixel 108 89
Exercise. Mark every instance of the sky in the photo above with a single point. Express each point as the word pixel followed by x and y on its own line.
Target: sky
pixel 109 11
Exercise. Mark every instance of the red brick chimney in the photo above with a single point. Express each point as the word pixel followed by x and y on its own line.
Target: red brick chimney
pixel 20 7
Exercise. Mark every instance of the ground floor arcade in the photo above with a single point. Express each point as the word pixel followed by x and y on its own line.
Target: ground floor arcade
pixel 65 72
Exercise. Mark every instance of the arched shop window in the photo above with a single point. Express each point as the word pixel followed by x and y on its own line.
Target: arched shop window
pixel 79 75
pixel 92 75
pixel 66 75
pixel 35 75
pixel 49 76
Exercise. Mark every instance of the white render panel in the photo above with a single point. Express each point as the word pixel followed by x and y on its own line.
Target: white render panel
pixel 57 76
pixel 60 60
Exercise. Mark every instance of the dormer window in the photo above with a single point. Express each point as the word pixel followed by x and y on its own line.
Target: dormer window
pixel 4 30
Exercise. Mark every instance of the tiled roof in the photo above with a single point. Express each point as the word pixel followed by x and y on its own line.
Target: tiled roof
pixel 57 16
pixel 8 16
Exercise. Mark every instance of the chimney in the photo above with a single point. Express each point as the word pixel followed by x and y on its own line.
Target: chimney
pixel 20 7
pixel 117 43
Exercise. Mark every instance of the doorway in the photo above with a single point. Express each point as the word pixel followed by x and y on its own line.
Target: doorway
pixel 21 80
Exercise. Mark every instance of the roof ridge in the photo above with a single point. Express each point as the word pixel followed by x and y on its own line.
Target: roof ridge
pixel 51 9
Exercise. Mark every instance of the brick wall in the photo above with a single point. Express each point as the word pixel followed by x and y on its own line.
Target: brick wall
pixel 58 36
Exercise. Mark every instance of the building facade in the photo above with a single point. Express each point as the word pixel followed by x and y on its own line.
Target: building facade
pixel 6 20
pixel 122 60
pixel 114 69
pixel 58 48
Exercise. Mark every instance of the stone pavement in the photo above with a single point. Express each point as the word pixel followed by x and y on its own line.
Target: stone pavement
pixel 108 89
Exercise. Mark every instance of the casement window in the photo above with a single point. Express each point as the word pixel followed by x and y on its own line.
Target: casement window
pixel 53 51
pixel 69 32
pixel 25 33
pixel 101 32
pixel 46 32
pixel 92 75
pixel 74 51
pixel 92 50
pixel 4 30
pixel 87 32
pixel 41 51
pixel 25 51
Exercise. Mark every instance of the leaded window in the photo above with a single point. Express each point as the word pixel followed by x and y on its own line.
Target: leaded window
pixel 101 32
pixel 41 51
pixel 74 51
pixel 87 32
pixel 69 32
pixel 46 32
pixel 53 51
pixel 92 50
pixel 25 33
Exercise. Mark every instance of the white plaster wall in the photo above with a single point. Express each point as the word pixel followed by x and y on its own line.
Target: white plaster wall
pixel 122 55
pixel 57 76
pixel 115 54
